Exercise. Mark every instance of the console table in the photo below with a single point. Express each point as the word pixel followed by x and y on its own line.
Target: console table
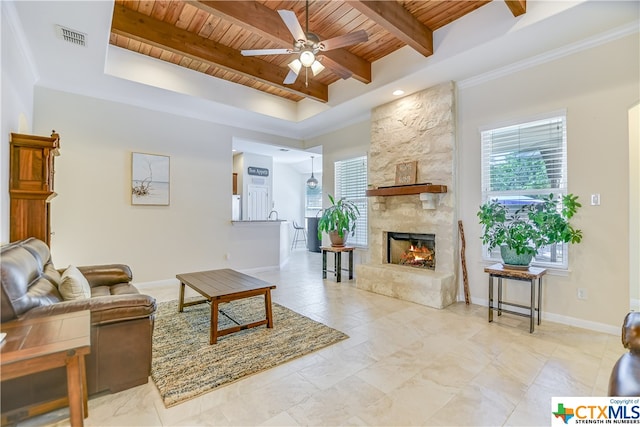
pixel 40 344
pixel 531 275
pixel 337 254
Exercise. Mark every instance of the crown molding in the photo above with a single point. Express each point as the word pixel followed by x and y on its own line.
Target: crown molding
pixel 570 49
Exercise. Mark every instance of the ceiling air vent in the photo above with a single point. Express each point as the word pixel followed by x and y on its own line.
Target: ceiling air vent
pixel 71 36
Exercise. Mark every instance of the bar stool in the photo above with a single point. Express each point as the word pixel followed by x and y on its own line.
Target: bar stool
pixel 297 235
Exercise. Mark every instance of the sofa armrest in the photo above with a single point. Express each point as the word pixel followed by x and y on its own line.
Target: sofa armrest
pixel 104 310
pixel 106 275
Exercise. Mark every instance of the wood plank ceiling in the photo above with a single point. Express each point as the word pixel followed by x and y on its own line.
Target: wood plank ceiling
pixel 207 36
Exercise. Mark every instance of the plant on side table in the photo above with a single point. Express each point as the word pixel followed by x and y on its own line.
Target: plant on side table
pixel 520 235
pixel 338 221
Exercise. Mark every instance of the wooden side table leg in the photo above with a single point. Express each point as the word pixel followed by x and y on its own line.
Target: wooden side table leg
pixel 539 298
pixel 499 296
pixel 181 298
pixel 324 264
pixel 490 298
pixel 85 397
pixel 532 311
pixel 338 266
pixel 267 306
pixel 74 391
pixel 350 265
pixel 213 333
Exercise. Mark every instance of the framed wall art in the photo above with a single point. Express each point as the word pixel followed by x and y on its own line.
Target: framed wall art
pixel 406 173
pixel 149 179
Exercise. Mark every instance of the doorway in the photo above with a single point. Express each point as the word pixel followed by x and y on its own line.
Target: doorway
pixel 258 202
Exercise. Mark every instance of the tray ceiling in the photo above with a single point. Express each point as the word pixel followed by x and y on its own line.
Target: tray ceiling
pixel 207 36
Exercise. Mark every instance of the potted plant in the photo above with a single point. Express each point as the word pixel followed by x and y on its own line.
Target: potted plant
pixel 521 234
pixel 338 221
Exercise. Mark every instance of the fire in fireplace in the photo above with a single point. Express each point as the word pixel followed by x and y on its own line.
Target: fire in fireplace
pixel 412 249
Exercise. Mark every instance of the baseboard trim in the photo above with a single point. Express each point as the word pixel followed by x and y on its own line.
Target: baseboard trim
pixel 565 320
pixel 144 285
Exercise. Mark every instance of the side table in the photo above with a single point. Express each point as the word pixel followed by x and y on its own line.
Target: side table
pixel 40 344
pixel 337 254
pixel 531 275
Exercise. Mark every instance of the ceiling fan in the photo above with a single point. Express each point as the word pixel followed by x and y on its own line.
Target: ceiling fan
pixel 307 46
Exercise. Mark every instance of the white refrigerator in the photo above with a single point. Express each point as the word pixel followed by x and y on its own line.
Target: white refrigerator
pixel 236 207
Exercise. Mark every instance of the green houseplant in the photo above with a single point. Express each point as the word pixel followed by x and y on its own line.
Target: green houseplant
pixel 338 220
pixel 520 235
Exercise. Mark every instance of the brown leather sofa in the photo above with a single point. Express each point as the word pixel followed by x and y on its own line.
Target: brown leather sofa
pixel 121 323
pixel 625 376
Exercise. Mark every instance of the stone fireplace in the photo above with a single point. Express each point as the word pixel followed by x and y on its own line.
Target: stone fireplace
pixel 419 127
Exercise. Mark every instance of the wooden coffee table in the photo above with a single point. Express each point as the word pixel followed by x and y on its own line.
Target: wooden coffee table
pixel 225 285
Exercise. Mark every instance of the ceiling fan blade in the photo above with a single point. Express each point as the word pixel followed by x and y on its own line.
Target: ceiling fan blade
pixel 291 21
pixel 254 52
pixel 344 40
pixel 291 78
pixel 335 68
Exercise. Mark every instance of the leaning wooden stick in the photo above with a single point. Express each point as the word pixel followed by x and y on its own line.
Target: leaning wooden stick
pixel 465 280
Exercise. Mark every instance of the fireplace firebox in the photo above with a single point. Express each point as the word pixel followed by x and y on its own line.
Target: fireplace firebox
pixel 412 249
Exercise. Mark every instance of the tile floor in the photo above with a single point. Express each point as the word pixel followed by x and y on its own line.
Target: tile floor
pixel 404 364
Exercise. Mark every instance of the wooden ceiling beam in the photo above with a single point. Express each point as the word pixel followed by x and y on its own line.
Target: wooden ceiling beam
pixel 517 7
pixel 259 19
pixel 397 20
pixel 143 28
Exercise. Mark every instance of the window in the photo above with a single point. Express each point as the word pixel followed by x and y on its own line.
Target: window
pixel 313 202
pixel 351 184
pixel 522 162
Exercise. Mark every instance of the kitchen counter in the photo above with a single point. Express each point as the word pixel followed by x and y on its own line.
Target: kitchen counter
pixel 259 244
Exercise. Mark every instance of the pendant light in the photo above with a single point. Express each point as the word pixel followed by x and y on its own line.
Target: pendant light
pixel 312 182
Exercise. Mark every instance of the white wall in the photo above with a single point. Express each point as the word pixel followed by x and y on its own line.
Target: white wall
pixel 634 206
pixel 17 103
pixel 597 87
pixel 288 195
pixel 92 217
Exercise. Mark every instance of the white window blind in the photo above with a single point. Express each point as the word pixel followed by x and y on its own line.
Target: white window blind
pixel 351 184
pixel 521 163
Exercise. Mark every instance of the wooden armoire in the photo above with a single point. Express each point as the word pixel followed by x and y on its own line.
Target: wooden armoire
pixel 31 172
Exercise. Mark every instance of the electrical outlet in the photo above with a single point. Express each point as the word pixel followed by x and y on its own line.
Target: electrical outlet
pixel 595 199
pixel 582 293
pixel 227 256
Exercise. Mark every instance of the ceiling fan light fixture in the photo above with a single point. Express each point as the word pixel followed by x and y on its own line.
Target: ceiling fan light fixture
pixel 316 67
pixel 295 66
pixel 307 58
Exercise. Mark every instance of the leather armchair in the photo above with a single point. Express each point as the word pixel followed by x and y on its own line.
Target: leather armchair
pixel 625 376
pixel 121 323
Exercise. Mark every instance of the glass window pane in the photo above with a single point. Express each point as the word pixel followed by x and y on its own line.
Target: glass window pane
pixel 351 184
pixel 522 163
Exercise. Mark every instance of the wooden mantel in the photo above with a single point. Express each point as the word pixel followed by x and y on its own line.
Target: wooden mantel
pixel 401 190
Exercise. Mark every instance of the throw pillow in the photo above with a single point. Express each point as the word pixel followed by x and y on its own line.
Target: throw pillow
pixel 74 285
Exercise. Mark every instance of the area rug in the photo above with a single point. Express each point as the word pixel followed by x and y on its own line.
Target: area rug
pixel 185 365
